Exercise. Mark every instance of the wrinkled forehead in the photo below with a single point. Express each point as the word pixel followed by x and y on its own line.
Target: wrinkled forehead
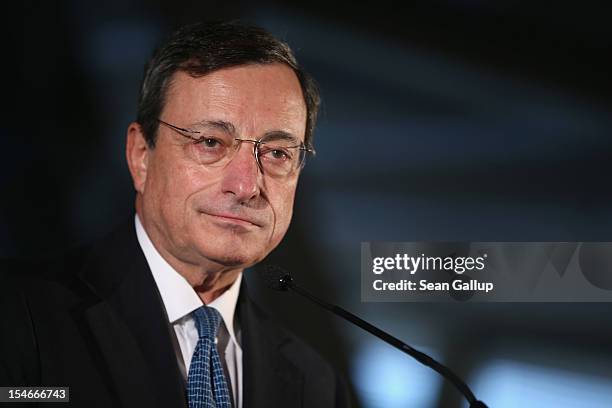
pixel 254 99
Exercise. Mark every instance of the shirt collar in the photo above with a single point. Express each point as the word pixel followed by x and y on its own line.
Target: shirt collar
pixel 178 296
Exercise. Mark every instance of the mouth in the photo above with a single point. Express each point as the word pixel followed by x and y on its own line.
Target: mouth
pixel 233 219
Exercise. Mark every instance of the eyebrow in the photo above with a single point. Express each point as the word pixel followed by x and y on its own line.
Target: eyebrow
pixel 222 125
pixel 229 128
pixel 281 135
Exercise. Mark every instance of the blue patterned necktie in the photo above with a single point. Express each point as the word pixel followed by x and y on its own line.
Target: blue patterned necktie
pixel 206 384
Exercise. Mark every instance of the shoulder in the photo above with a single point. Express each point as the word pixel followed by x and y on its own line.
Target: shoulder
pixel 322 384
pixel 30 292
pixel 276 334
pixel 75 274
pixel 33 289
pixel 53 277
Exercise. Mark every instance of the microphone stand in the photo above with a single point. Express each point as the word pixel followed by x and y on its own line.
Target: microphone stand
pixel 286 282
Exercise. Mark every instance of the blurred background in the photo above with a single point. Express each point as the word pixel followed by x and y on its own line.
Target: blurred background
pixel 441 120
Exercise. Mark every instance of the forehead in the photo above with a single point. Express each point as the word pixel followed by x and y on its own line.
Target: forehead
pixel 254 98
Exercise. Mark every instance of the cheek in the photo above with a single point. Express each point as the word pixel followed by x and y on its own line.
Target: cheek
pixel 169 187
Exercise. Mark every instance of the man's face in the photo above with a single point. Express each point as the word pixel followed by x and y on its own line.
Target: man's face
pixel 230 216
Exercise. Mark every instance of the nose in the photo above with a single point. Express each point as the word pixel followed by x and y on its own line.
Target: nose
pixel 241 176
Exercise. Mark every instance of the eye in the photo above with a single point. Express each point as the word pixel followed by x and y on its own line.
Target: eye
pixel 208 142
pixel 279 154
pixel 276 153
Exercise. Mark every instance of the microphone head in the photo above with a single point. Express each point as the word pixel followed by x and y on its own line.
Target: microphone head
pixel 275 277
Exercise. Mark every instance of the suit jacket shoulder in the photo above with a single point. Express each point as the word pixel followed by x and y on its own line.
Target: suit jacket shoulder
pixel 91 320
pixel 280 370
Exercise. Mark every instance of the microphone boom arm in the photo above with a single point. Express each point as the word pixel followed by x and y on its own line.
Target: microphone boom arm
pixel 286 282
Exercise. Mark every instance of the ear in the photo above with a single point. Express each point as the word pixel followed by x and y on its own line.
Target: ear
pixel 137 154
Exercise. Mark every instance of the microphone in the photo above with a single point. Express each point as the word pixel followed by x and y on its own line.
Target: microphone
pixel 279 279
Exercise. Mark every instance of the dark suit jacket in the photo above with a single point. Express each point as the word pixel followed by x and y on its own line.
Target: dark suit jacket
pixel 94 321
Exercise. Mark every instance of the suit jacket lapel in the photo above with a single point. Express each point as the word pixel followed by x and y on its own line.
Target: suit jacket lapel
pixel 270 379
pixel 129 324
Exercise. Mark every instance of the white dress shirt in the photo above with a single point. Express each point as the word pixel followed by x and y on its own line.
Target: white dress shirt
pixel 180 300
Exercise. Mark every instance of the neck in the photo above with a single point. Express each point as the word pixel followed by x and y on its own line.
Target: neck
pixel 208 279
pixel 213 284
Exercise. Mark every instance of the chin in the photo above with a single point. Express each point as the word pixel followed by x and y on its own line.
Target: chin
pixel 231 249
pixel 230 261
pixel 235 257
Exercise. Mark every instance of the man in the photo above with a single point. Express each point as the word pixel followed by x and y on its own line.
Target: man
pixel 157 314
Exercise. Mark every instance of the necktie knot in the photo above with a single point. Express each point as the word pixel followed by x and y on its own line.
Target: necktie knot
pixel 207 320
